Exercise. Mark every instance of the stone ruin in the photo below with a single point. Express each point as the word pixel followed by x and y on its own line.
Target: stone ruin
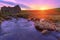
pixel 10 10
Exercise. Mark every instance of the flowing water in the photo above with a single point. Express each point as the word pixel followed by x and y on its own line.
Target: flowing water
pixel 22 29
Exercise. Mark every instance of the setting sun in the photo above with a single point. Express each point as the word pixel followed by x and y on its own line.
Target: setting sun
pixel 43 8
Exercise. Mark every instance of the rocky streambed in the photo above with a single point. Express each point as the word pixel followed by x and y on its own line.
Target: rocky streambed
pixel 22 29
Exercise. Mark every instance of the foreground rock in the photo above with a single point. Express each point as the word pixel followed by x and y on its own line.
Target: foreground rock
pixel 44 25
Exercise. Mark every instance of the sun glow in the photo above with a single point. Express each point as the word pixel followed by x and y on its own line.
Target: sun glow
pixel 38 7
pixel 44 8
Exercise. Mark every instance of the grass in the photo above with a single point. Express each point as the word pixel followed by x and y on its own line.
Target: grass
pixel 34 14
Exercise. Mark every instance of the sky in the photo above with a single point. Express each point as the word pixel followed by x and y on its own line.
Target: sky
pixel 31 4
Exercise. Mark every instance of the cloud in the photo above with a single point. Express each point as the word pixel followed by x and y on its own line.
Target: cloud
pixel 14 1
pixel 3 4
pixel 10 3
pixel 22 4
pixel 32 4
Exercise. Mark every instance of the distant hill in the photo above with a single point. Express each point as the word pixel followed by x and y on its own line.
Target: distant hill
pixel 55 11
pixel 58 9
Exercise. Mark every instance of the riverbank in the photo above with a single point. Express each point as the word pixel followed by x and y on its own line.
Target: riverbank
pixel 47 24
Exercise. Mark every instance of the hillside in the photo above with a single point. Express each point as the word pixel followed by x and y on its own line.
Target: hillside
pixel 55 11
pixel 48 14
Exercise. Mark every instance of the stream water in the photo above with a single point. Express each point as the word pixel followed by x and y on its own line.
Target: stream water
pixel 22 29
